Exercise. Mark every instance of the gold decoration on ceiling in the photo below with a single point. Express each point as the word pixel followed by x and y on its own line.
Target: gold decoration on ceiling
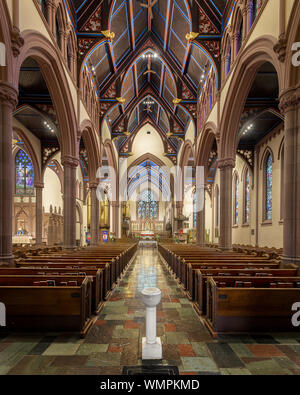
pixel 127 133
pixel 177 101
pixel 108 34
pixel 120 100
pixel 169 134
pixel 191 36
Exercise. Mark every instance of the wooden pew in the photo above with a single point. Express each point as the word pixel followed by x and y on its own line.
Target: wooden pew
pixel 238 310
pixel 192 268
pixel 108 271
pixel 202 276
pixel 46 308
pixel 63 274
pixel 112 268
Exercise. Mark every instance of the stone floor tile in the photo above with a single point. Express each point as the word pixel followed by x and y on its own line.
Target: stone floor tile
pixel 192 364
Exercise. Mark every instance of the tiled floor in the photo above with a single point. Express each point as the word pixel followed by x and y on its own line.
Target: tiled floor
pixel 115 340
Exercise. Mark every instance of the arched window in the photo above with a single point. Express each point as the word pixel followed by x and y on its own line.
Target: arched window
pixel 69 53
pixel 147 206
pixel 228 57
pixel 57 30
pixel 194 210
pixel 254 8
pixel 240 37
pixel 247 186
pixel 210 98
pixel 24 174
pixel 44 7
pixel 236 200
pixel 268 176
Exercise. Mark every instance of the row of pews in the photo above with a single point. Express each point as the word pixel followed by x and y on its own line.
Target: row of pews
pixel 61 290
pixel 236 291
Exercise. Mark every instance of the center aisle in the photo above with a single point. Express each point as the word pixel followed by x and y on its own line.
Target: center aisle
pixel 114 342
pixel 121 323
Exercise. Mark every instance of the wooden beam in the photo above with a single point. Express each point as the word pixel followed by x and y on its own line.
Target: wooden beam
pixel 131 24
pixel 167 29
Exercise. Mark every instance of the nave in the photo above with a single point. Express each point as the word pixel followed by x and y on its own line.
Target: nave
pixel 114 342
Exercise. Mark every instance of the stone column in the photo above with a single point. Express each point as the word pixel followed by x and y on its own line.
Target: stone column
pixel 94 215
pixel 50 238
pixel 290 107
pixel 51 10
pixel 234 47
pixel 226 166
pixel 8 102
pixel 39 213
pixel 200 230
pixel 115 218
pixel 179 210
pixel 70 166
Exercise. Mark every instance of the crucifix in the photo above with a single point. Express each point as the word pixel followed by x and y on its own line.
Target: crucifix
pixel 149 7
pixel 149 71
pixel 148 109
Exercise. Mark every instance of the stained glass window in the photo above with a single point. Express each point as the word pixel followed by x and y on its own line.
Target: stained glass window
pixel 43 7
pixel 194 210
pixel 24 174
pixel 57 30
pixel 147 206
pixel 254 9
pixel 228 60
pixel 247 185
pixel 268 186
pixel 210 98
pixel 236 200
pixel 240 37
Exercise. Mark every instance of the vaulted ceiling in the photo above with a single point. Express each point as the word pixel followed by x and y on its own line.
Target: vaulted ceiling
pixel 149 58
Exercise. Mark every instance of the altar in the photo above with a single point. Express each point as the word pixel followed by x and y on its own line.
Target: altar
pixel 147 244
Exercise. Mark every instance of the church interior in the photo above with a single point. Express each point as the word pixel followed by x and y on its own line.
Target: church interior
pixel 150 145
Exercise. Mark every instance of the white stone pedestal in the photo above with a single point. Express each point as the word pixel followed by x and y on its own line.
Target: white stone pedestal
pixel 151 351
pixel 151 345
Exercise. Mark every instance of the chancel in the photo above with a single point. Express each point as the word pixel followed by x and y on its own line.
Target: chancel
pixel 149 145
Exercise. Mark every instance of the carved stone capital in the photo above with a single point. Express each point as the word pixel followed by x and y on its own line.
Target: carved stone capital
pixel 8 95
pixel 17 41
pixel 289 99
pixel 39 185
pixel 225 163
pixel 70 161
pixel 280 48
pixel 93 185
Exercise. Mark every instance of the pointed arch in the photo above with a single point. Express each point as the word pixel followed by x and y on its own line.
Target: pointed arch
pixel 92 148
pixel 39 48
pixel 32 154
pixel 252 58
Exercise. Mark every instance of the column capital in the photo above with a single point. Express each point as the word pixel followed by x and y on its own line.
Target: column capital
pixel 39 185
pixel 289 99
pixel 225 163
pixel 70 161
pixel 8 94
pixel 17 41
pixel 93 185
